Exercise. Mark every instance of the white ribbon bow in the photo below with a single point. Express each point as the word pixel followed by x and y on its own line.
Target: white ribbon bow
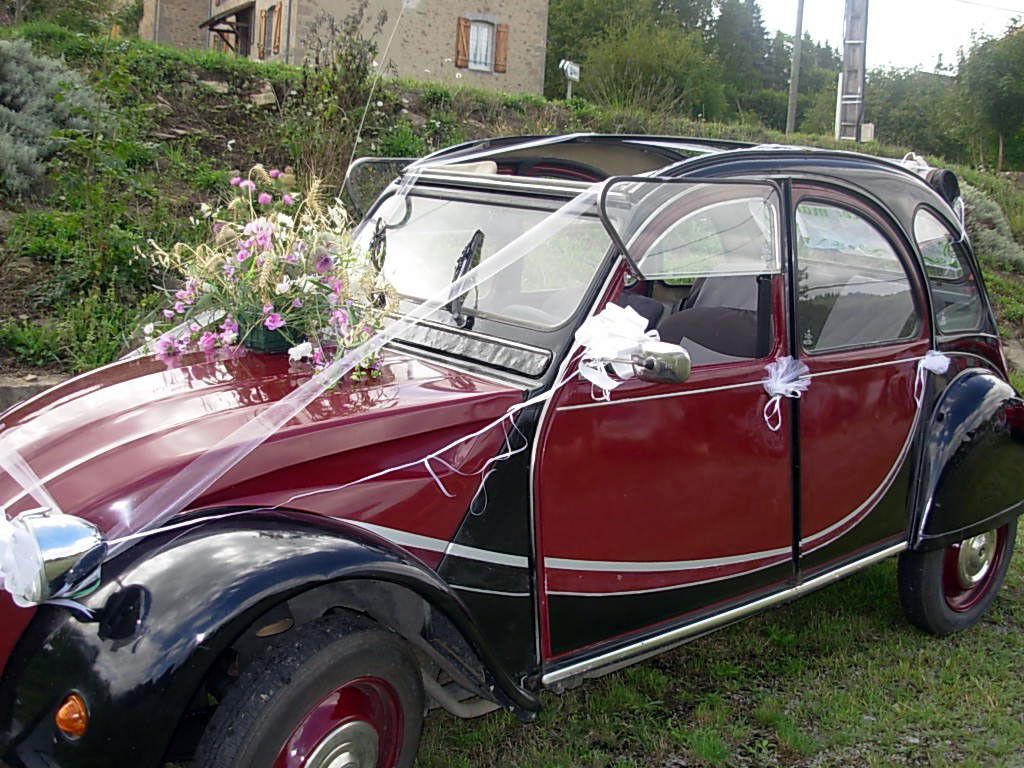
pixel 787 377
pixel 610 338
pixel 20 561
pixel 933 362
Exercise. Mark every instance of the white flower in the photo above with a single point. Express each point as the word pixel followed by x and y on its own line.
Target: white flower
pixel 300 352
pixel 306 284
pixel 284 286
pixel 458 75
pixel 228 338
pixel 285 220
pixel 206 209
pixel 380 104
pixel 149 329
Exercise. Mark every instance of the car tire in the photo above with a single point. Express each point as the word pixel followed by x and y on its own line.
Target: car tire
pixel 338 686
pixel 947 590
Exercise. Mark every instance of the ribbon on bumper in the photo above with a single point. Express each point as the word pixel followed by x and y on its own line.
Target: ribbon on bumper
pixel 609 338
pixel 787 377
pixel 933 362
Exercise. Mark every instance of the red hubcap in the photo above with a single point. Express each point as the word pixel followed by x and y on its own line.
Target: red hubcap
pixel 970 568
pixel 341 730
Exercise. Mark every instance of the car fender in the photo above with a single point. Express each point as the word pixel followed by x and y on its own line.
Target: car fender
pixel 171 605
pixel 973 446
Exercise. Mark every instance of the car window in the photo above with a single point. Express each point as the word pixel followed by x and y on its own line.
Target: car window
pixel 852 289
pixel 954 288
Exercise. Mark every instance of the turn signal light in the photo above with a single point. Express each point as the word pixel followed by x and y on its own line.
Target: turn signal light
pixel 72 717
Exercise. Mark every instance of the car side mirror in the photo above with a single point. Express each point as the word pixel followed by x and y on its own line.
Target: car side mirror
pixel 662 362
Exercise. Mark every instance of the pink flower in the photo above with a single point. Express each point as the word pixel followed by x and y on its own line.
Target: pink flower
pixel 182 345
pixel 230 325
pixel 273 322
pixel 179 307
pixel 297 303
pixel 194 327
pixel 208 342
pixel 264 198
pixel 248 184
pixel 288 199
pixel 168 313
pixel 243 254
pixel 275 173
pixel 292 258
pixel 262 232
pixel 229 269
pixel 268 308
pixel 165 345
pixel 236 181
pixel 340 318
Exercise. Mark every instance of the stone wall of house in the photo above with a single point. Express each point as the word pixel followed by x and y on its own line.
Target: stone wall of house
pixel 424 45
pixel 175 22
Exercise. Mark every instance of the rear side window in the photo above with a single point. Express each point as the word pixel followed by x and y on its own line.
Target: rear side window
pixel 954 288
pixel 852 288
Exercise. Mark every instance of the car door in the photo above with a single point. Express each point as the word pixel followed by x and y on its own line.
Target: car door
pixel 669 501
pixel 862 327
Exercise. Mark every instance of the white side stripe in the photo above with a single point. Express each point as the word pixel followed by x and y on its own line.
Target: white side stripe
pixel 659 566
pixel 429 543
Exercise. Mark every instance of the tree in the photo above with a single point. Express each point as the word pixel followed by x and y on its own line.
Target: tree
pixel 741 45
pixel 656 68
pixel 993 80
pixel 919 110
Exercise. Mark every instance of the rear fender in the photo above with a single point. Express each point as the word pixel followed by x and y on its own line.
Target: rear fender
pixel 170 607
pixel 970 479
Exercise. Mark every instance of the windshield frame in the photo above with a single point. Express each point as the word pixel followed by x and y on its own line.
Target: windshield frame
pixel 515 338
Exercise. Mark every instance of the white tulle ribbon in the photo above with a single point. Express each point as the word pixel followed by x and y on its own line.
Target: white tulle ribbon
pixel 20 561
pixel 933 362
pixel 609 338
pixel 787 377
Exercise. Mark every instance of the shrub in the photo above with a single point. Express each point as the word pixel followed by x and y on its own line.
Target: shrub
pixel 403 141
pixel 40 99
pixel 990 232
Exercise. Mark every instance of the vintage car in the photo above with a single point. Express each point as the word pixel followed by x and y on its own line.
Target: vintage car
pixel 286 621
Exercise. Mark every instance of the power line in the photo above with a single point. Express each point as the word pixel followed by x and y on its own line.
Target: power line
pixel 989 5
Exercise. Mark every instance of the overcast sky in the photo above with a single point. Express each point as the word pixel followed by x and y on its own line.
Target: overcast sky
pixel 901 33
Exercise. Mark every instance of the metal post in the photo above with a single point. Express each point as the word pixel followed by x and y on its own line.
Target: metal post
pixel 568 89
pixel 794 77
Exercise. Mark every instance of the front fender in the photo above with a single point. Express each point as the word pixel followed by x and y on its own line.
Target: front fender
pixel 970 479
pixel 167 609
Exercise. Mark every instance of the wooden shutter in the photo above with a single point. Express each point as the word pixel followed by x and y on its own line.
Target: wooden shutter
pixel 277 28
pixel 462 44
pixel 501 49
pixel 261 35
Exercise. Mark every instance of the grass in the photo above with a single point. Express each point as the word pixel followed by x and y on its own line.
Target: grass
pixel 835 679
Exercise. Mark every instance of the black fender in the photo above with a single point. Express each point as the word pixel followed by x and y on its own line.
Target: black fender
pixel 171 605
pixel 970 478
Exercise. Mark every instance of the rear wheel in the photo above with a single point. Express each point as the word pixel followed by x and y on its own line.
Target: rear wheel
pixel 336 693
pixel 946 590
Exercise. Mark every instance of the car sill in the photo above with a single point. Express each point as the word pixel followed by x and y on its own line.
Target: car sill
pixel 596 665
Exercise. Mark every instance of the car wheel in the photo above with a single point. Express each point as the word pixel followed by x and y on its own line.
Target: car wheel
pixel 946 590
pixel 336 693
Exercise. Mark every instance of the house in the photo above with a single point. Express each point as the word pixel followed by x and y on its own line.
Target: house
pixel 493 44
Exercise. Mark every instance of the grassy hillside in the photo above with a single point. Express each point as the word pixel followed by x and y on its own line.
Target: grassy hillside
pixel 178 123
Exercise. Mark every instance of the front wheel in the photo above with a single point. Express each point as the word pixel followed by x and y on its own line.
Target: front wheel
pixel 336 693
pixel 947 590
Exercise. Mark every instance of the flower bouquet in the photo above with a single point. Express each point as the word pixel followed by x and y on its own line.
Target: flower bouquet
pixel 279 273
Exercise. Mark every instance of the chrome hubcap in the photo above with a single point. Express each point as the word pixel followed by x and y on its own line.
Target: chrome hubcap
pixel 975 559
pixel 352 745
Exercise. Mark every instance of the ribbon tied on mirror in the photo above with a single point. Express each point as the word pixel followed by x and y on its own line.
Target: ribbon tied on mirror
pixel 787 377
pixel 609 339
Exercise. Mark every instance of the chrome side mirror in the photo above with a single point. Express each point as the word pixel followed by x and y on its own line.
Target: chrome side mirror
pixel 662 362
pixel 68 551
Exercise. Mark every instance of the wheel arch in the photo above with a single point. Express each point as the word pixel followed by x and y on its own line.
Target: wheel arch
pixel 171 606
pixel 974 435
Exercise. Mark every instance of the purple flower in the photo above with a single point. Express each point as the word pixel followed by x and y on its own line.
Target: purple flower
pixel 208 342
pixel 292 258
pixel 324 263
pixel 168 313
pixel 264 198
pixel 262 232
pixel 340 319
pixel 248 184
pixel 229 269
pixel 182 345
pixel 275 173
pixel 297 303
pixel 268 308
pixel 273 321
pixel 243 254
pixel 236 181
pixel 165 345
pixel 288 199
pixel 179 307
pixel 229 325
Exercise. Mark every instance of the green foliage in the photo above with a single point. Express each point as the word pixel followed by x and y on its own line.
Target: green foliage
pixel 42 103
pixel 31 342
pixel 402 141
pixel 83 16
pixel 990 232
pixel 128 18
pixel 653 68
pixel 993 84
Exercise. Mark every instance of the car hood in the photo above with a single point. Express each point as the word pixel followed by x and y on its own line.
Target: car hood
pixel 102 442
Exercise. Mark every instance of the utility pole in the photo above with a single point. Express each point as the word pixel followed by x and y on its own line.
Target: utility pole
pixel 851 83
pixel 794 76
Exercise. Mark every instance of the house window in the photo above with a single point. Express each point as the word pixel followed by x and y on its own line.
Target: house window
pixel 481 45
pixel 269 41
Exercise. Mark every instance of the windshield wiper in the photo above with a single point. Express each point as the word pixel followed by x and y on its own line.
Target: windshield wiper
pixel 469 259
pixel 377 252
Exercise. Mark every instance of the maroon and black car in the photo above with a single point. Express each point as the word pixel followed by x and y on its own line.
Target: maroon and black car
pixel 615 526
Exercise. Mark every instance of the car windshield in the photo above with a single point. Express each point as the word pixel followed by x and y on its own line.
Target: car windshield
pixel 542 290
